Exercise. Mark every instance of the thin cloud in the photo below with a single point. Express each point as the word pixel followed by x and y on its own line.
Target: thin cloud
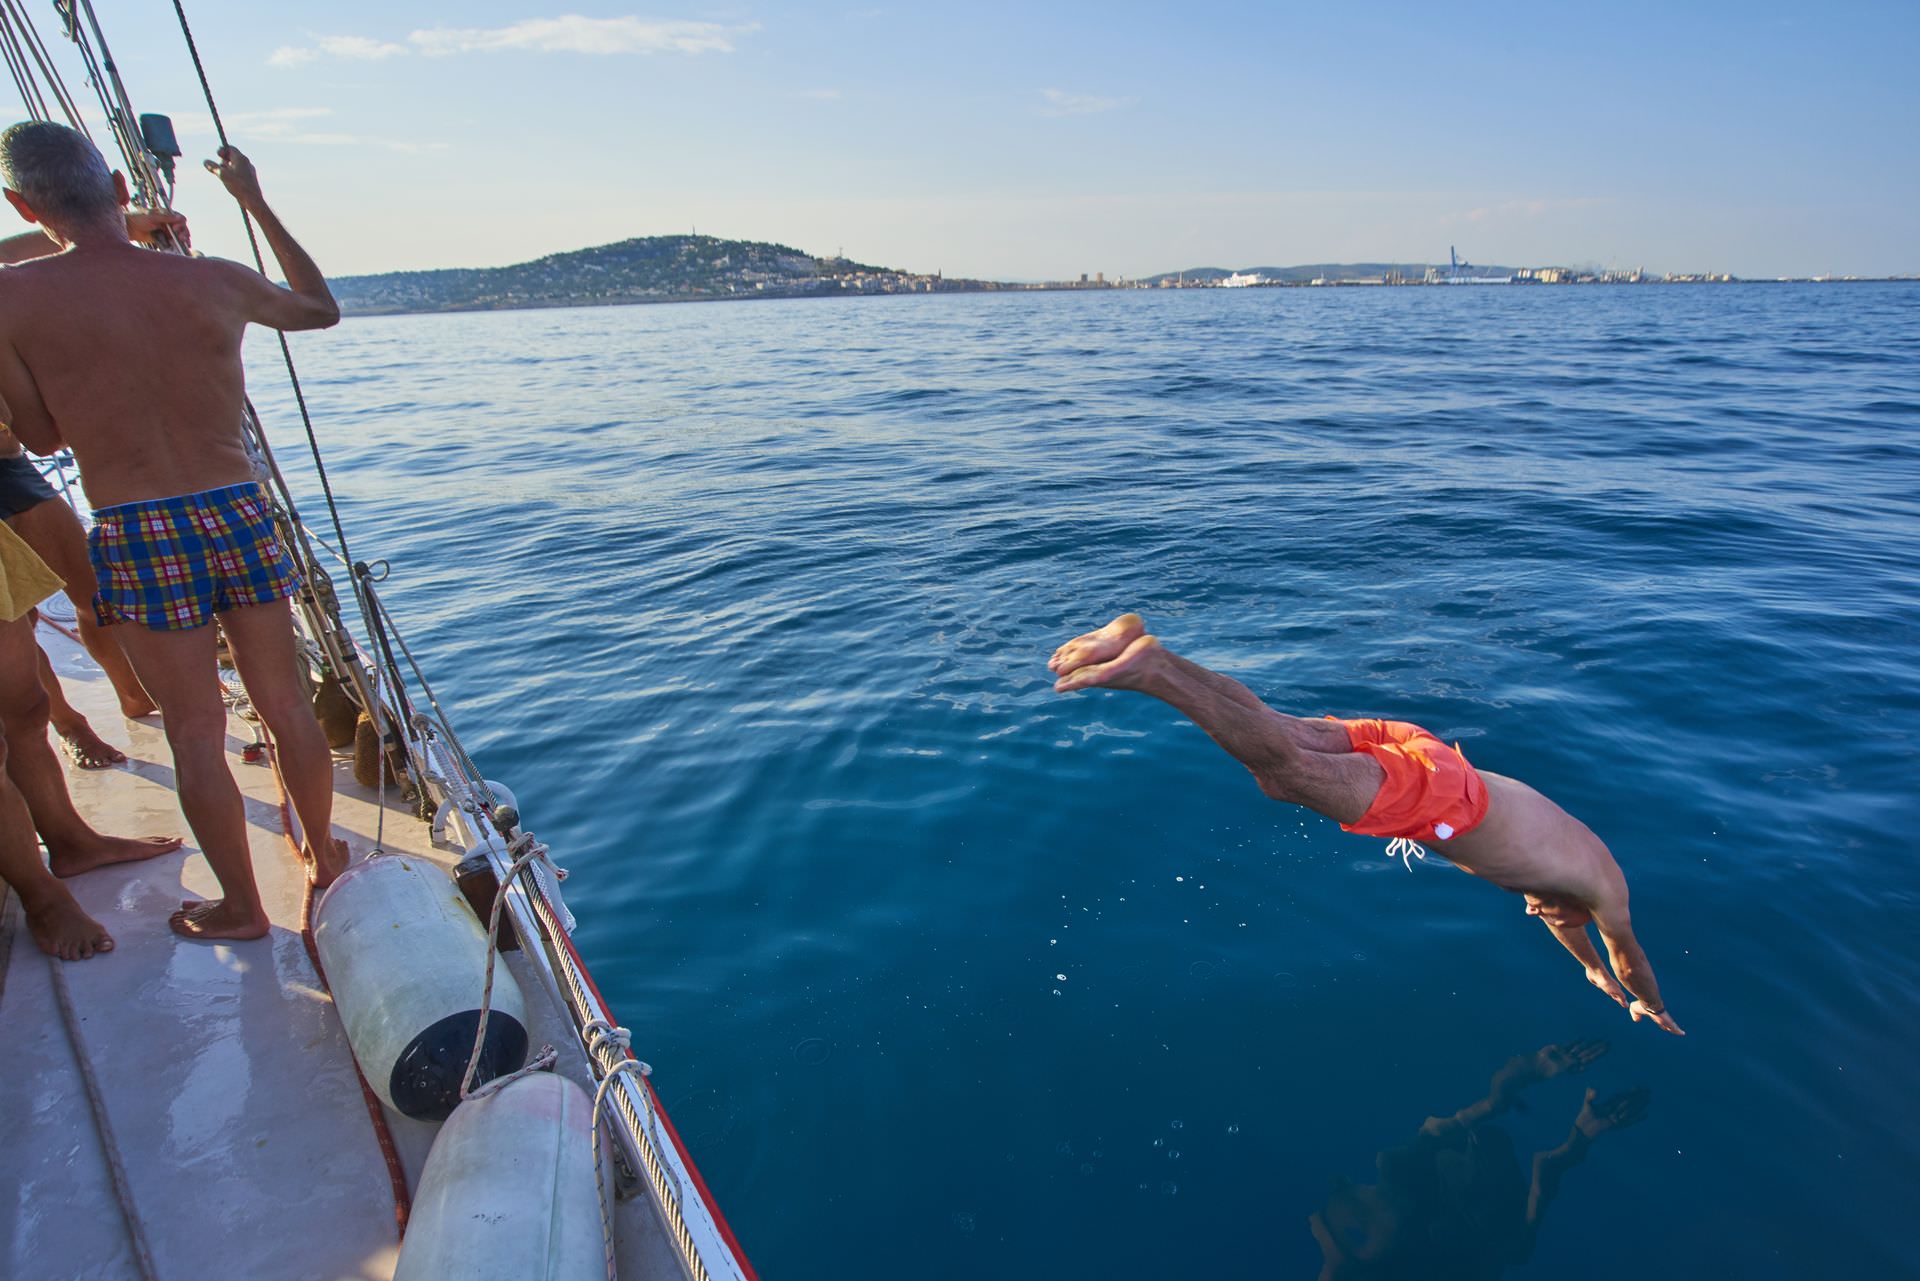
pixel 358 48
pixel 294 125
pixel 572 33
pixel 822 95
pixel 1061 103
pixel 568 33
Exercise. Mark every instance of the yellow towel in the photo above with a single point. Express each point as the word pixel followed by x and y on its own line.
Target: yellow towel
pixel 25 580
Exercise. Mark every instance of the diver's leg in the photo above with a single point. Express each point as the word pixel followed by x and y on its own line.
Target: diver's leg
pixel 1268 743
pixel 1109 642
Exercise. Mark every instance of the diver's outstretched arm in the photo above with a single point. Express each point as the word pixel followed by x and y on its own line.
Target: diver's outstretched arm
pixel 1626 1108
pixel 1515 1075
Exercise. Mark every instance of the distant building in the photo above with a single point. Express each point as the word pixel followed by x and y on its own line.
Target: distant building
pixel 1241 281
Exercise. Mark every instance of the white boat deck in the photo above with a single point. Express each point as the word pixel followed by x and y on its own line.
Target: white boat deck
pixel 226 1076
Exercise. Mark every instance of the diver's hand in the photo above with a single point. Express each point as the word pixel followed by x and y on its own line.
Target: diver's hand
pixel 1550 1061
pixel 1641 1010
pixel 1616 1113
pixel 153 226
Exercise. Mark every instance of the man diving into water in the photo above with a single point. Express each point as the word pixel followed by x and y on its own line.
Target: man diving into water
pixel 1392 779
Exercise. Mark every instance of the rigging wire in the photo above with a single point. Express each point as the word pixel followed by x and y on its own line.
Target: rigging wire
pixel 286 352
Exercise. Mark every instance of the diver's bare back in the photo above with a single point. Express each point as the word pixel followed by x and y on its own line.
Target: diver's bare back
pixel 1529 845
pixel 135 356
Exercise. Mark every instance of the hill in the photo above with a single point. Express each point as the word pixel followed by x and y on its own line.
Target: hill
pixel 648 269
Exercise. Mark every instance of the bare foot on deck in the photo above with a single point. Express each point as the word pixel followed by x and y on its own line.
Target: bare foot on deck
pixel 213 919
pixel 1099 646
pixel 62 930
pixel 88 750
pixel 1134 667
pixel 324 872
pixel 84 856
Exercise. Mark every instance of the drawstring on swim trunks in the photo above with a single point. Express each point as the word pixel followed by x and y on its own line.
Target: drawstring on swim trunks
pixel 1406 849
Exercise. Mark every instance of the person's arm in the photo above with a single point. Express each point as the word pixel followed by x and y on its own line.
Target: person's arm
pixel 1515 1075
pixel 144 226
pixel 26 247
pixel 21 408
pixel 306 302
pixel 1630 964
pixel 1621 1110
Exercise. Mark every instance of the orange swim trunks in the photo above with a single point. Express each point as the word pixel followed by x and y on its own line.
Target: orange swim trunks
pixel 1430 793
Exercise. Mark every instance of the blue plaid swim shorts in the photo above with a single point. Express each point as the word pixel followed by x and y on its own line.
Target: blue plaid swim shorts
pixel 171 564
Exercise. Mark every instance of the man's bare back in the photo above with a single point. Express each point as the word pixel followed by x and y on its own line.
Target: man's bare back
pixel 132 358
pixel 1518 839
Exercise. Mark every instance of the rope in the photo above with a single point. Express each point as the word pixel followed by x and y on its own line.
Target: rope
pixel 599 1033
pixel 466 762
pixel 116 1169
pixel 114 102
pixel 24 47
pixel 1406 849
pixel 648 1142
pixel 532 850
pixel 286 352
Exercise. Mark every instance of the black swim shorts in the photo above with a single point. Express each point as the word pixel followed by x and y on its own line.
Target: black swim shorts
pixel 21 486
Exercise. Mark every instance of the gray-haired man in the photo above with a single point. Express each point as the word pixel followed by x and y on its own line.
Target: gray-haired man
pixel 133 359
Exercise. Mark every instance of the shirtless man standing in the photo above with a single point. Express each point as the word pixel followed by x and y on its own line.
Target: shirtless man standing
pixel 133 359
pixel 1392 779
pixel 29 504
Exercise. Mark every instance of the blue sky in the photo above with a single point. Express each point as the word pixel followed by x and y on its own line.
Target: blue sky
pixel 1041 140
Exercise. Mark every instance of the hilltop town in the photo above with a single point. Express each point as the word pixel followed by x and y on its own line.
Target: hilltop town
pixel 649 269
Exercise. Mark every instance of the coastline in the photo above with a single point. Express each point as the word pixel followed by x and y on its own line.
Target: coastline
pixel 351 312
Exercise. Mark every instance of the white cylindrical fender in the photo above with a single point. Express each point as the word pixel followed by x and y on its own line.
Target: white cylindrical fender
pixel 407 964
pixel 508 1191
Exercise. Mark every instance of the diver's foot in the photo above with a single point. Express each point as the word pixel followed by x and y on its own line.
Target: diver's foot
pixel 214 919
pixel 88 750
pixel 72 859
pixel 1135 668
pixel 324 871
pixel 1097 646
pixel 64 931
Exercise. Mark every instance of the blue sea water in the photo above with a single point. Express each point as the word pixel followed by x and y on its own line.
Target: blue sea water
pixel 944 975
